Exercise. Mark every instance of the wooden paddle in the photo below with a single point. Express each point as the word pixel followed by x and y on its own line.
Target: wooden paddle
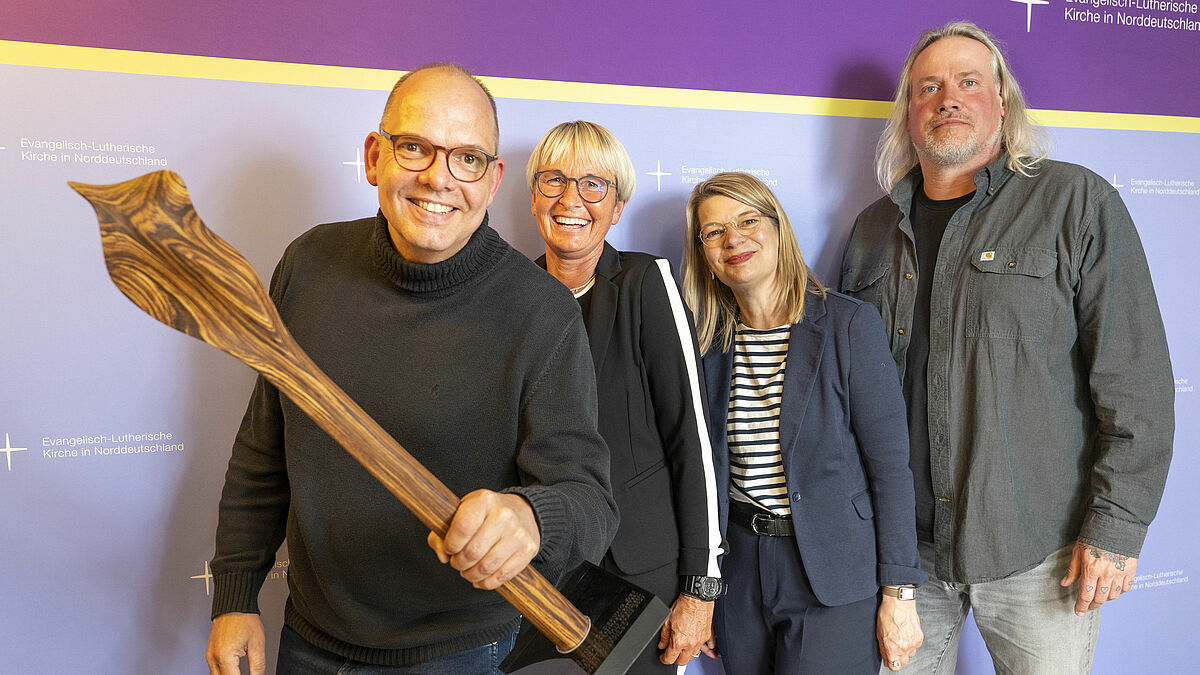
pixel 162 256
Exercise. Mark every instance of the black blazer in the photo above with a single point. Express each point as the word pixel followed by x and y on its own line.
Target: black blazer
pixel 652 415
pixel 844 440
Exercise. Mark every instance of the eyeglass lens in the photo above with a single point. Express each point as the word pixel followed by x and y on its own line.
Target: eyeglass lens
pixel 417 154
pixel 554 184
pixel 714 233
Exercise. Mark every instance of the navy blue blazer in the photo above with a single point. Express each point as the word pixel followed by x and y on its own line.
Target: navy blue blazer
pixel 844 440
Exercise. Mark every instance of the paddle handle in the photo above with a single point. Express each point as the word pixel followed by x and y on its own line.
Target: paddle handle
pixel 294 373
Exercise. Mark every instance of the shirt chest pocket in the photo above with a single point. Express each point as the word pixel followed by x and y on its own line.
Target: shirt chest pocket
pixel 869 284
pixel 1009 293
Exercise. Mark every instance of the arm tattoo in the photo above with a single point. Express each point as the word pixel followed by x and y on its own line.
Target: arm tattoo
pixel 1116 559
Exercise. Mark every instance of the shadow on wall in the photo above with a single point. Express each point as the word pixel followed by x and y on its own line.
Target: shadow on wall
pixel 658 227
pixel 510 214
pixel 848 157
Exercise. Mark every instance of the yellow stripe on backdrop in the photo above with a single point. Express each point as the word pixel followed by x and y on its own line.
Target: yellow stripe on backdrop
pixel 248 70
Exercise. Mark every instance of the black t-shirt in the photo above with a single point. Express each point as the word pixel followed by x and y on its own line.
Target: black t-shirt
pixel 929 218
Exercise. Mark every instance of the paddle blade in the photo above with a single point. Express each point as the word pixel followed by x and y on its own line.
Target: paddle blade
pixel 163 258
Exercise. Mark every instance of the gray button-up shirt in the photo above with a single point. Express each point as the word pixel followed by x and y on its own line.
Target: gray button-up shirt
pixel 1050 394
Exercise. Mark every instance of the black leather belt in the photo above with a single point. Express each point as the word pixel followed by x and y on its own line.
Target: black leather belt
pixel 761 522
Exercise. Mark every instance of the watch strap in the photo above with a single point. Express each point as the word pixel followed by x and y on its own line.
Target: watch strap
pixel 702 587
pixel 901 592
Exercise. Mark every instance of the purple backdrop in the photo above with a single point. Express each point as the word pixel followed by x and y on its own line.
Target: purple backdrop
pixel 102 555
pixel 847 49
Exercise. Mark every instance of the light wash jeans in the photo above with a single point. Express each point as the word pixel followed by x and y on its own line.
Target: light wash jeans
pixel 1027 621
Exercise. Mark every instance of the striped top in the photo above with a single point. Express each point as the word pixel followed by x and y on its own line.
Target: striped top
pixel 755 463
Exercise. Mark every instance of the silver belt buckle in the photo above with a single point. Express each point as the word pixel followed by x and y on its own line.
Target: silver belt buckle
pixel 754 524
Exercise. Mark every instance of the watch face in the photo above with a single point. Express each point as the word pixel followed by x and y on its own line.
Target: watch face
pixel 705 588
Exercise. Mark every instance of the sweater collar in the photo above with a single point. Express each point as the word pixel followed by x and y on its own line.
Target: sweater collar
pixel 481 253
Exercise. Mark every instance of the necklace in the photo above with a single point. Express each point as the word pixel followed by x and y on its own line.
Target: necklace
pixel 580 289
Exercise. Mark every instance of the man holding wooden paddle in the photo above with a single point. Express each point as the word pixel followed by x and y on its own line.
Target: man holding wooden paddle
pixel 471 357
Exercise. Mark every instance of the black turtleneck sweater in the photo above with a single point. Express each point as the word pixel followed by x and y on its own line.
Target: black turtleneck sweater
pixel 479 367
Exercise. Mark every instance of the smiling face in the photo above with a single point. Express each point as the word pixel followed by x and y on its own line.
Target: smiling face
pixel 574 229
pixel 431 215
pixel 955 112
pixel 746 263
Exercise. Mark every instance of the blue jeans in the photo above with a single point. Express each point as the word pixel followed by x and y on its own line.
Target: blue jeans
pixel 1027 621
pixel 299 657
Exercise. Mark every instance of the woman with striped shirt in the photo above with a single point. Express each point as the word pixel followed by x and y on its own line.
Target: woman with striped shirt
pixel 810 444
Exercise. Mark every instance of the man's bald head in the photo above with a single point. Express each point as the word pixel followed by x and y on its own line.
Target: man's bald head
pixel 398 92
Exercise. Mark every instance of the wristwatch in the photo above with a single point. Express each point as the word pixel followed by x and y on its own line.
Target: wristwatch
pixel 901 592
pixel 702 588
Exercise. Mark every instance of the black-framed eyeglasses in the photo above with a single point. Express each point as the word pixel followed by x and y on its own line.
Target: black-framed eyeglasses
pixel 414 153
pixel 553 183
pixel 712 235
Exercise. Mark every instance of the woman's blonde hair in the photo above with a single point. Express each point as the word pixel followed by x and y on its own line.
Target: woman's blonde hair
pixel 712 302
pixel 1025 142
pixel 588 143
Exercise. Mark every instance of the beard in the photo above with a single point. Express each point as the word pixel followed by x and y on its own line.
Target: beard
pixel 953 149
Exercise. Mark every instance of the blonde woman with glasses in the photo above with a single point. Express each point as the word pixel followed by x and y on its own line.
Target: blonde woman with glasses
pixel 651 410
pixel 810 442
